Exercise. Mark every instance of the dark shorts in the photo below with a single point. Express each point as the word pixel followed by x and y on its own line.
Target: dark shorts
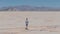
pixel 26 24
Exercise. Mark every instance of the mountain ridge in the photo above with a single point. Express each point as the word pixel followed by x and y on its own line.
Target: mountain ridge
pixel 28 8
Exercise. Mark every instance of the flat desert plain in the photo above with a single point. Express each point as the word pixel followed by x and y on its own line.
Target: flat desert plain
pixel 13 22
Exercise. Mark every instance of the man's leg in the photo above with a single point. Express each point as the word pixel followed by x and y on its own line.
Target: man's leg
pixel 26 27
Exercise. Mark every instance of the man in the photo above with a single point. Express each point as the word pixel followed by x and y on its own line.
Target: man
pixel 26 22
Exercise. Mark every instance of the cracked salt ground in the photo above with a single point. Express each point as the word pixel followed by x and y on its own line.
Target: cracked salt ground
pixel 14 22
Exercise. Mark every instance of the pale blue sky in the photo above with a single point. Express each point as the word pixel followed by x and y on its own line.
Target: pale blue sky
pixel 49 3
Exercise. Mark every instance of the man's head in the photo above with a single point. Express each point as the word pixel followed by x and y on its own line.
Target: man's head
pixel 26 18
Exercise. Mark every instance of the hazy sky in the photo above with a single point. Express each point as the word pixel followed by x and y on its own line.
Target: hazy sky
pixel 49 3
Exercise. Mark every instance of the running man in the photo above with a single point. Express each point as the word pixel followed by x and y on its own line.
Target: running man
pixel 26 22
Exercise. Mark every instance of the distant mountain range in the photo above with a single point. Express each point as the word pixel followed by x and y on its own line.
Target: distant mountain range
pixel 28 8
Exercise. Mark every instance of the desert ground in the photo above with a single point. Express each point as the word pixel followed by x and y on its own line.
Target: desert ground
pixel 13 22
